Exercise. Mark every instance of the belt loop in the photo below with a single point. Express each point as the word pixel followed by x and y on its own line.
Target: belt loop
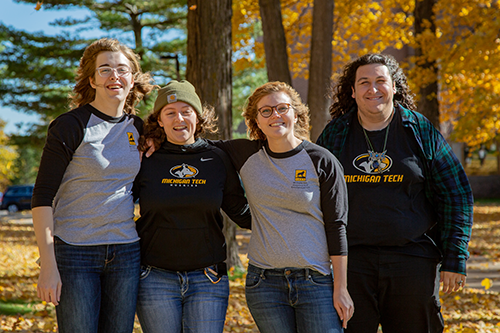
pixel 306 273
pixel 262 271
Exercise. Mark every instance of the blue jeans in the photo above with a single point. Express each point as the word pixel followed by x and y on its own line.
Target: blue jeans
pixel 175 302
pixel 290 300
pixel 99 287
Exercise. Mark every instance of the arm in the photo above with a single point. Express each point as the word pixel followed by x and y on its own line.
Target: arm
pixel 234 202
pixel 341 299
pixel 49 281
pixel 451 196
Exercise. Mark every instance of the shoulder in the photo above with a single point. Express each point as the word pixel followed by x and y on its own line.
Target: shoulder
pixel 138 122
pixel 321 156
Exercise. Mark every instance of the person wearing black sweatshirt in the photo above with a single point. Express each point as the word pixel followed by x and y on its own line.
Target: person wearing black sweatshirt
pixel 181 190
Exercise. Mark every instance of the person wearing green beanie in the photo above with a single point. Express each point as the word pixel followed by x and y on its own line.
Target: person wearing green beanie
pixel 182 188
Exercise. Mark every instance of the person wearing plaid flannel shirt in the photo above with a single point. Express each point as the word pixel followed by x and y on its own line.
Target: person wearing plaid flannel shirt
pixel 410 202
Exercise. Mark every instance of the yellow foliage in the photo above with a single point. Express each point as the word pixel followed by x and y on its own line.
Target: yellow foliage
pixel 487 283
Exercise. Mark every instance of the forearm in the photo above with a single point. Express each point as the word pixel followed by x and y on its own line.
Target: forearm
pixel 339 265
pixel 43 223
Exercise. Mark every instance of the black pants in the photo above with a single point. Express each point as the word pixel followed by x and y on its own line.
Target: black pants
pixel 399 291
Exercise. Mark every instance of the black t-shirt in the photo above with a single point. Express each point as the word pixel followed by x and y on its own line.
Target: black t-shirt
pixel 387 203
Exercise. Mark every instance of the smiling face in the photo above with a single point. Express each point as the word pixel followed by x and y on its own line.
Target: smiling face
pixel 114 89
pixel 374 91
pixel 179 123
pixel 277 126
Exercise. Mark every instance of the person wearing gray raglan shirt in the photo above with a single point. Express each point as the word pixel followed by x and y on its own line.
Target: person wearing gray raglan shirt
pixel 83 209
pixel 298 200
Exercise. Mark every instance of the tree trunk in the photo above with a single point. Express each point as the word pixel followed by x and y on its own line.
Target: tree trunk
pixel 274 41
pixel 209 69
pixel 320 65
pixel 428 104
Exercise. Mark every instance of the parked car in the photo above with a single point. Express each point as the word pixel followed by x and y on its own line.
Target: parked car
pixel 17 197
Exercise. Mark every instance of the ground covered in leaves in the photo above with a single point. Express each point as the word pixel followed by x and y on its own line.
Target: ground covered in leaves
pixel 468 311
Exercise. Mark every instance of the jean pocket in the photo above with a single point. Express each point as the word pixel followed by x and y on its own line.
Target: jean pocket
pixel 253 280
pixel 145 270
pixel 320 279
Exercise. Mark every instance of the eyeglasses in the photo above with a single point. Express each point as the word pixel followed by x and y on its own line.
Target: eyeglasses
pixel 267 111
pixel 106 71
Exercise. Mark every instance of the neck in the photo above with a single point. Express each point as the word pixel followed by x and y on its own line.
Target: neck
pixel 283 145
pixel 109 108
pixel 375 124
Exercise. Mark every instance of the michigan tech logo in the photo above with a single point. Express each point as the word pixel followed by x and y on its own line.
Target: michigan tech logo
pixel 372 163
pixel 184 171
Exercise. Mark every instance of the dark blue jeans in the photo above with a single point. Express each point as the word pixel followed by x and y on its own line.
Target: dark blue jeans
pixel 291 300
pixel 175 302
pixel 99 287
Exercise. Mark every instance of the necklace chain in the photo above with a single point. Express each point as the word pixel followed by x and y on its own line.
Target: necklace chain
pixel 377 158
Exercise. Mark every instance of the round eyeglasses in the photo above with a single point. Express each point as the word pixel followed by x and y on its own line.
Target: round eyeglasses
pixel 267 111
pixel 106 71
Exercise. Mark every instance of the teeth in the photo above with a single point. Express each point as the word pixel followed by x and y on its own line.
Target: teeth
pixel 276 124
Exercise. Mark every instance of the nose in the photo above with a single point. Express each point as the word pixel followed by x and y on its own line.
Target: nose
pixel 275 112
pixel 114 74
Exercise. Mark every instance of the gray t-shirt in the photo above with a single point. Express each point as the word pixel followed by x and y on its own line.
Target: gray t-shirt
pixel 298 201
pixel 88 165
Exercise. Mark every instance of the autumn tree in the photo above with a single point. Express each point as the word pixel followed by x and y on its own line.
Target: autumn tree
pixel 209 69
pixel 320 65
pixel 428 90
pixel 274 41
pixel 8 157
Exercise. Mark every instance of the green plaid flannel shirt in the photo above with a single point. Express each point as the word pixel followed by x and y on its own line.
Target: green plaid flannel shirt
pixel 446 184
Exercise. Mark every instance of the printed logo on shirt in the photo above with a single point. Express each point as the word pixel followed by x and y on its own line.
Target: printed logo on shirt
pixel 131 139
pixel 300 175
pixel 184 176
pixel 372 163
pixel 184 171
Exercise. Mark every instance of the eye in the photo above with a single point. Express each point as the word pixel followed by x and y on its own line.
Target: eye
pixel 105 70
pixel 122 70
pixel 282 108
pixel 187 112
pixel 266 111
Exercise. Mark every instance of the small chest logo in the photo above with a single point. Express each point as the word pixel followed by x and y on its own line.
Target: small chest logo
pixel 184 171
pixel 300 175
pixel 131 139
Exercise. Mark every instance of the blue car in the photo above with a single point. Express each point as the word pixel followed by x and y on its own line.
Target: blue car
pixel 16 198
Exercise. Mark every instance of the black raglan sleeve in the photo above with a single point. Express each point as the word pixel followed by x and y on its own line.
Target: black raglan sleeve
pixel 64 136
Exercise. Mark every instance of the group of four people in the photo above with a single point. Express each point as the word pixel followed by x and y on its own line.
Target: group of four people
pixel 410 207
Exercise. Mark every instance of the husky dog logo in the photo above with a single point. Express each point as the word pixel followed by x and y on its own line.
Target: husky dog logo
pixel 372 163
pixel 183 171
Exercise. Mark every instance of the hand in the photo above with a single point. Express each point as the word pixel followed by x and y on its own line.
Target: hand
pixel 151 149
pixel 343 304
pixel 452 281
pixel 49 285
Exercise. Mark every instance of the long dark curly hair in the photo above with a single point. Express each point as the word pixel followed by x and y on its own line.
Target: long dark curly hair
pixel 155 134
pixel 301 110
pixel 342 91
pixel 83 93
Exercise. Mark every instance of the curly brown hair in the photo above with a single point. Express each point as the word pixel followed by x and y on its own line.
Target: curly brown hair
pixel 83 93
pixel 342 91
pixel 250 111
pixel 154 133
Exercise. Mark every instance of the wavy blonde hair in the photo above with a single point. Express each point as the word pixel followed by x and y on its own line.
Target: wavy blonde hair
pixel 83 93
pixel 301 127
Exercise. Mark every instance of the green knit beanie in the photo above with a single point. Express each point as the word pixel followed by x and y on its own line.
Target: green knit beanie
pixel 176 91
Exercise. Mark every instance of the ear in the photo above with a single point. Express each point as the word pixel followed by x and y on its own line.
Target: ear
pixel 394 90
pixel 257 122
pixel 159 122
pixel 353 94
pixel 132 83
pixel 92 83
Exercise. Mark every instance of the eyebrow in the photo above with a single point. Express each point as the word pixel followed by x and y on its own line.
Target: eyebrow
pixel 108 65
pixel 366 78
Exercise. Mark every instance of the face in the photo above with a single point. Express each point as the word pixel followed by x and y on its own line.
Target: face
pixel 277 126
pixel 374 91
pixel 116 86
pixel 179 122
